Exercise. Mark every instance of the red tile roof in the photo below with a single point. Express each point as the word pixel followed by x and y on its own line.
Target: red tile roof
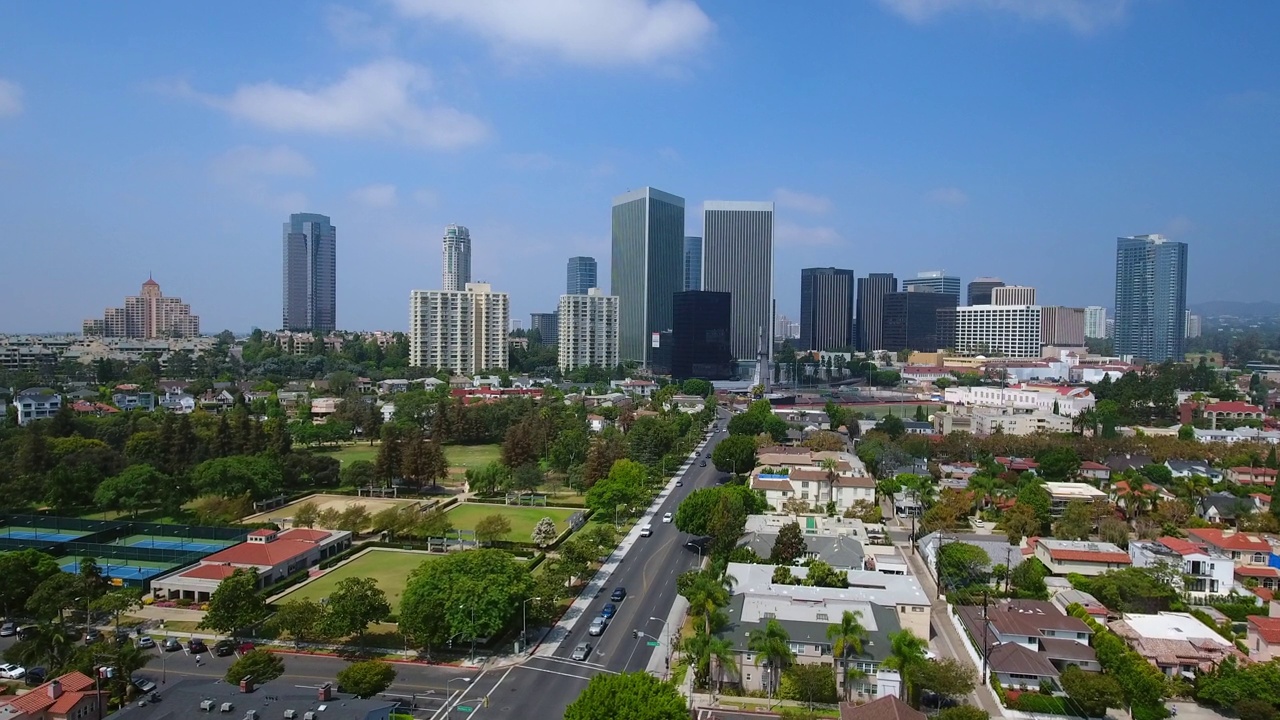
pixel 1237 541
pixel 39 700
pixel 262 532
pixel 287 546
pixel 1265 472
pixel 1258 571
pixel 1091 465
pixel 1264 593
pixel 1234 407
pixel 889 707
pixel 1098 556
pixel 1268 628
pixel 210 572
pixel 1180 546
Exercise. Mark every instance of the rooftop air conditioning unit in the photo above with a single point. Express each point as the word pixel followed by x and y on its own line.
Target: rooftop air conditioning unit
pixel 290 714
pixel 206 705
pixel 309 715
pixel 226 707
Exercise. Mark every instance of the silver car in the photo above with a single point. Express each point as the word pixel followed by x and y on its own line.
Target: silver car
pixel 581 652
pixel 598 626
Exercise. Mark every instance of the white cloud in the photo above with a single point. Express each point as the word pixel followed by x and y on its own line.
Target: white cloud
pixel 802 202
pixel 949 196
pixel 355 29
pixel 789 234
pixel 1082 16
pixel 374 100
pixel 379 195
pixel 10 98
pixel 247 160
pixel 589 32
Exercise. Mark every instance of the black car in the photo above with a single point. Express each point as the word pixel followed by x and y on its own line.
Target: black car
pixel 224 648
pixel 197 646
pixel 35 676
pixel 92 635
pixel 619 594
pixel 702 464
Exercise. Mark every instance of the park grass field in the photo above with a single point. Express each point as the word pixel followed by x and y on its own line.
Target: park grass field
pixel 337 502
pixel 462 457
pixel 390 568
pixel 351 453
pixel 523 519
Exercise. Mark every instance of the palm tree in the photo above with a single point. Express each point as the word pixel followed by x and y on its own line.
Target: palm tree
pixel 829 466
pixel 50 645
pixel 774 644
pixel 720 654
pixel 846 639
pixel 907 654
pixel 706 596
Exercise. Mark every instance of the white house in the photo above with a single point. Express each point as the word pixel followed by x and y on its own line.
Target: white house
pixel 783 476
pixel 1070 401
pixel 1202 570
pixel 37 403
pixel 1063 557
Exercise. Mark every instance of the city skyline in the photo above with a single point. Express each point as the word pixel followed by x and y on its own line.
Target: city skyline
pixel 527 132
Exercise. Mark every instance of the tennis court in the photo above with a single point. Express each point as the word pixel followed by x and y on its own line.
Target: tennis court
pixel 42 534
pixel 204 545
pixel 134 570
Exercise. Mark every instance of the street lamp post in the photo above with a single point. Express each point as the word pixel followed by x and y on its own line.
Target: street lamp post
pixel 448 692
pixel 524 622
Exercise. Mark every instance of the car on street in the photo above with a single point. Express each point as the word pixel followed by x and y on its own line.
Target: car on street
pixel 171 645
pixel 646 531
pixel 122 638
pixel 197 646
pixel 679 483
pixel 146 641
pixel 35 676
pixel 608 610
pixel 92 635
pixel 666 517
pixel 144 685
pixel 702 464
pixel 8 628
pixel 581 652
pixel 26 633
pixel 598 626
pixel 9 671
pixel 619 594
pixel 223 648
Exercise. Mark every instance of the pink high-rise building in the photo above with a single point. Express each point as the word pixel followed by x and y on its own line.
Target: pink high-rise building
pixel 148 316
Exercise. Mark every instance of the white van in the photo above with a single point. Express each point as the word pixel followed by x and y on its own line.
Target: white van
pixel 646 531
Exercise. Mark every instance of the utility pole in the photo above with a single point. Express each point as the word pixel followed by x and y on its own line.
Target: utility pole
pixel 937 562
pixel 986 647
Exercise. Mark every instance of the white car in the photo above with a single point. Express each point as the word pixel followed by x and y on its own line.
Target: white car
pixel 666 517
pixel 12 672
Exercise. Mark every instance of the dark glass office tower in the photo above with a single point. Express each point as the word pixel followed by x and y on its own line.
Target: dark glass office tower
pixel 826 309
pixel 737 258
pixel 700 339
pixel 871 292
pixel 1151 298
pixel 310 274
pixel 581 275
pixel 980 290
pixel 647 268
pixel 911 320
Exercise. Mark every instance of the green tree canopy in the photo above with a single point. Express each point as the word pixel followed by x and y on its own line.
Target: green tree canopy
pixel 236 604
pixel 1076 522
pixel 735 454
pixel 636 696
pixel 1092 693
pixel 962 565
pixel 789 545
pixel 258 476
pixel 23 571
pixel 354 605
pixel 624 486
pixel 473 593
pixel 136 487
pixel 262 665
pixel 366 678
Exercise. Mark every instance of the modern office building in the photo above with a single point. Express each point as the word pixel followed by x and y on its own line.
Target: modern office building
pixel 581 275
pixel 692 263
pixel 1062 326
pixel 588 330
pixel 910 320
pixel 826 309
pixel 980 290
pixel 1193 325
pixel 457 258
pixel 936 280
pixel 310 274
pixel 871 292
pixel 1013 295
pixel 462 332
pixel 737 258
pixel 1095 321
pixel 1151 298
pixel 1009 331
pixel 148 315
pixel 547 325
pixel 647 269
pixel 700 338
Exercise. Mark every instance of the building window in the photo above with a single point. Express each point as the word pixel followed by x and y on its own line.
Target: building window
pixel 823 617
pixel 1259 558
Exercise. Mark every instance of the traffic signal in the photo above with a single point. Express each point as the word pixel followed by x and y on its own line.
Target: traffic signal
pixel 635 633
pixel 485 701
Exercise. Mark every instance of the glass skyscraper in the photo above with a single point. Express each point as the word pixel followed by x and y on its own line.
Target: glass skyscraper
pixel 871 292
pixel 581 275
pixel 1151 297
pixel 737 258
pixel 692 263
pixel 647 268
pixel 936 280
pixel 456 247
pixel 310 274
pixel 826 309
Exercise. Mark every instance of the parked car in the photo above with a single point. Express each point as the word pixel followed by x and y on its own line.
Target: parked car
pixel 619 594
pixel 608 610
pixel 582 651
pixel 598 626
pixel 146 641
pixel 92 635
pixel 12 672
pixel 244 647
pixel 8 628
pixel 26 633
pixel 144 685
pixel 224 648
pixel 35 676
pixel 197 647
pixel 171 645
pixel 122 638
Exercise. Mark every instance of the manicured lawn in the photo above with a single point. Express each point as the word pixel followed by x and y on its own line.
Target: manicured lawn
pixel 471 456
pixel 390 568
pixel 523 519
pixel 351 453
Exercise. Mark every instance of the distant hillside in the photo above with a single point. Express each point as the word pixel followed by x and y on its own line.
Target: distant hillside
pixel 1217 308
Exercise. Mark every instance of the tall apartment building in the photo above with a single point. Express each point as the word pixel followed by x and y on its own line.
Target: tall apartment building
pixel 310 274
pixel 456 264
pixel 737 258
pixel 1193 325
pixel 588 330
pixel 1151 297
pixel 1013 295
pixel 826 309
pixel 581 275
pixel 980 290
pixel 935 280
pixel 463 332
pixel 547 325
pixel 911 320
pixel 871 292
pixel 148 316
pixel 700 338
pixel 1062 326
pixel 692 263
pixel 1011 331
pixel 1095 321
pixel 648 267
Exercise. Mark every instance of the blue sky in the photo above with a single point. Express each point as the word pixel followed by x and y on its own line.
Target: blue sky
pixel 1014 138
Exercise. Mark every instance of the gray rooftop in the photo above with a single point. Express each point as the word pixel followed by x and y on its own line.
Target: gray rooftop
pixel 864 586
pixel 841 551
pixel 877 619
pixel 182 700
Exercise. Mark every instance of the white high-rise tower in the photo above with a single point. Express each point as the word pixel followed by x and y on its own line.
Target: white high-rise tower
pixel 457 258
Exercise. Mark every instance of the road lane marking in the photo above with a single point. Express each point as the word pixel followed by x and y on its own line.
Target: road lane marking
pixel 564 674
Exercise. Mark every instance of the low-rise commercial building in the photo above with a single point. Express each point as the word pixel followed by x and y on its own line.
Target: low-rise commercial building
pixel 1063 400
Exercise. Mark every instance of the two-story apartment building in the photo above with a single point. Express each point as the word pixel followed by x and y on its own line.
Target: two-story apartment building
pixel 1263 638
pixel 1040 629
pixel 39 403
pixel 1244 549
pixel 785 475
pixel 1063 557
pixel 1177 643
pixel 1203 571
pixel 1252 476
pixel 1062 494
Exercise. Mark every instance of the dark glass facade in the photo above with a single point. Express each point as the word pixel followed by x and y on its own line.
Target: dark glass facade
pixel 581 275
pixel 871 292
pixel 647 268
pixel 1151 298
pixel 980 290
pixel 310 274
pixel 911 320
pixel 700 344
pixel 826 309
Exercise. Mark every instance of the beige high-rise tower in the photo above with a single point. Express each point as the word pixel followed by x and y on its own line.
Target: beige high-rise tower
pixel 148 316
pixel 463 332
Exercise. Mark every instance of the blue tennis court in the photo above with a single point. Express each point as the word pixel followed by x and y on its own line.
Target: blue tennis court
pixel 124 572
pixel 203 545
pixel 17 533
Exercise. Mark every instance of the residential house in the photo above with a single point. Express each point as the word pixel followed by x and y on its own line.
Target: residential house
pixel 597 423
pixel 1202 571
pixel 1223 508
pixel 322 408
pixel 783 476
pixel 1095 471
pixel 886 706
pixel 691 404
pixel 1066 597
pixel 89 407
pixel 1151 495
pixel 1048 639
pixel 1120 463
pixel 1240 434
pixel 38 403
pixel 1242 548
pixel 67 697
pixel 178 403
pixel 1263 576
pixel 217 400
pixel 1177 643
pixel 1261 502
pixel 1063 557
pixel 1189 468
pixel 641 388
pixel 842 552
pixel 1252 476
pixel 1014 666
pixel 1062 494
pixel 1231 412
pixel 393 386
pixel 918 427
pixel 172 387
pixel 1263 638
pixel 996 545
pixel 133 399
